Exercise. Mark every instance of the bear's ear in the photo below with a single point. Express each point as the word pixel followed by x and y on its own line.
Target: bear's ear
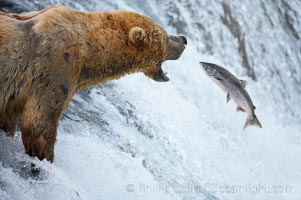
pixel 138 36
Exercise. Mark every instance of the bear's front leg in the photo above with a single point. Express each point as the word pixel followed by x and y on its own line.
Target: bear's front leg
pixel 39 127
pixel 39 138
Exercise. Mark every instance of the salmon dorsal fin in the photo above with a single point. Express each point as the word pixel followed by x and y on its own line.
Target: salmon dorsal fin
pixel 244 83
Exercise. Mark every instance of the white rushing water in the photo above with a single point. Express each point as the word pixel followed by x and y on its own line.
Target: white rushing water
pixel 134 138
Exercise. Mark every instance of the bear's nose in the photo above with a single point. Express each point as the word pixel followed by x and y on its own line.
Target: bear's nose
pixel 183 39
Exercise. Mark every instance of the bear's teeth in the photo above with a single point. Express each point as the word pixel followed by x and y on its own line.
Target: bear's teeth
pixel 163 76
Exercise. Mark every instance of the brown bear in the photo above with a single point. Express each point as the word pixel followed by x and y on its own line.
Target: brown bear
pixel 48 55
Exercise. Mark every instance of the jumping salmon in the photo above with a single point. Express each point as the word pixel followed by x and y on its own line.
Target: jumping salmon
pixel 235 89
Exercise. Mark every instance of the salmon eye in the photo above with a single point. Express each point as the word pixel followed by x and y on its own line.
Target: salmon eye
pixel 211 71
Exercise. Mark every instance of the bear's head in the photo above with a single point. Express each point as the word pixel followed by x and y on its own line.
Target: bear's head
pixel 129 42
pixel 159 47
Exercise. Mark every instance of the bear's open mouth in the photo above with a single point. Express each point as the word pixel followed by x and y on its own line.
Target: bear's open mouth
pixel 162 75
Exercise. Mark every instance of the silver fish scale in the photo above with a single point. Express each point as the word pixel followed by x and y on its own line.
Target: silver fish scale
pixel 230 84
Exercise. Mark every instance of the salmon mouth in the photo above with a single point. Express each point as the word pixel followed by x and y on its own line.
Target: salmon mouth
pixel 208 68
pixel 205 67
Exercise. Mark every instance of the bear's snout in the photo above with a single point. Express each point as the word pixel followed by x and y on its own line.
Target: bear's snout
pixel 175 47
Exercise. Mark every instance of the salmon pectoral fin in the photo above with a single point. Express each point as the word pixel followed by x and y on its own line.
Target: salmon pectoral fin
pixel 244 83
pixel 228 97
pixel 240 109
pixel 253 122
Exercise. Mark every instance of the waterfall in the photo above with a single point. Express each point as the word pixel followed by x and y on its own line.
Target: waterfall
pixel 134 138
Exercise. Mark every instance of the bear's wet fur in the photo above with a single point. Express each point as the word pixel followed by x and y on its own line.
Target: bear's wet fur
pixel 46 56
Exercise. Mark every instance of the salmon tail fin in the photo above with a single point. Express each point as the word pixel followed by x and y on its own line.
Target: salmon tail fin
pixel 253 122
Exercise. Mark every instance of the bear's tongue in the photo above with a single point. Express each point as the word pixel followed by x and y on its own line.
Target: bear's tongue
pixel 162 75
